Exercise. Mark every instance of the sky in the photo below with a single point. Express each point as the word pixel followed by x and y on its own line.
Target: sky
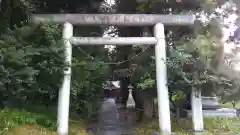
pixel 229 30
pixel 110 2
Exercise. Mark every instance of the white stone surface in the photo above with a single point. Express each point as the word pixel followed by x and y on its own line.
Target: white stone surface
pixel 223 112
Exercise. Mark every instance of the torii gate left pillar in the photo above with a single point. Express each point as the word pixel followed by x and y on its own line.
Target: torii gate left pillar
pixel 124 20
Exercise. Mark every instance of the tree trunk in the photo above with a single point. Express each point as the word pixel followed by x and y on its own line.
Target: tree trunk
pixel 0 5
pixel 123 52
pixel 124 90
pixel 139 103
pixel 148 104
pixel 1 100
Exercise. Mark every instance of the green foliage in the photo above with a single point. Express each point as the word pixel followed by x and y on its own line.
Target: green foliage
pixel 147 82
pixel 230 93
pixel 189 62
pixel 37 120
pixel 193 53
pixel 87 88
pixel 10 118
pixel 32 62
pixel 214 126
pixel 28 59
pixel 179 98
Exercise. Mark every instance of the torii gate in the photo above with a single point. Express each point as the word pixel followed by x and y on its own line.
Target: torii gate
pixel 124 20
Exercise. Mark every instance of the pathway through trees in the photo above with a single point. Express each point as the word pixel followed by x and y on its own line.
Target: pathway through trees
pixel 111 120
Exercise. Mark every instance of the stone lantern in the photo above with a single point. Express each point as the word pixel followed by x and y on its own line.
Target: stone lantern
pixel 130 101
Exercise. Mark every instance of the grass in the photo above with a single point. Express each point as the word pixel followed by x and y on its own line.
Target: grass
pixel 25 122
pixel 214 126
pixel 40 121
pixel 229 105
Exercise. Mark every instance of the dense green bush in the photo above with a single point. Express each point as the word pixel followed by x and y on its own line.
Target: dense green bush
pixel 31 65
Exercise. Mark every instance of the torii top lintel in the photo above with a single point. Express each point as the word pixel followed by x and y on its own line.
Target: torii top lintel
pixel 114 19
